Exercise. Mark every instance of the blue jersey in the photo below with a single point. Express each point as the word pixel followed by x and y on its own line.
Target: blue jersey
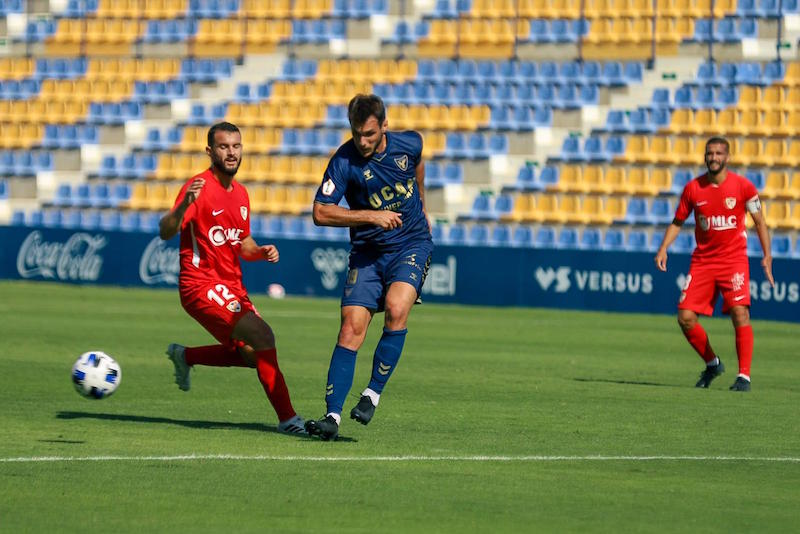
pixel 385 181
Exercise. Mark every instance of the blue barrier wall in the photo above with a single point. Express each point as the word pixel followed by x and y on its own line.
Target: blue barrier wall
pixel 576 279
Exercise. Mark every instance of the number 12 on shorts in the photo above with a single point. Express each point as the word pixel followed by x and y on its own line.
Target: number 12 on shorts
pixel 222 296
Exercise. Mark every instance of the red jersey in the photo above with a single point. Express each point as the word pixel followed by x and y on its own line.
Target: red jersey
pixel 212 231
pixel 719 212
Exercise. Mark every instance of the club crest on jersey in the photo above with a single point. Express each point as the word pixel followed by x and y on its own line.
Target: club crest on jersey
pixel 368 174
pixel 402 162
pixel 243 211
pixel 328 187
pixel 730 202
pixel 234 306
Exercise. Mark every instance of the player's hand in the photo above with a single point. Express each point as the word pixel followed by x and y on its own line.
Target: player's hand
pixel 193 191
pixel 388 220
pixel 661 260
pixel 270 253
pixel 766 263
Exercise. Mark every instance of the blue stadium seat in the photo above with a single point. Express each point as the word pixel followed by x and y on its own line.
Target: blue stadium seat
pixel 148 222
pixel 614 73
pixel 110 220
pixel 781 246
pixel 34 218
pixel 478 235
pixel 503 206
pixel 437 233
pixel 661 98
pixel 522 236
pixel 89 219
pixel 680 177
pixel 617 122
pixel 119 194
pixel 70 219
pixel 18 218
pixel 636 212
pixel 549 176
pixel 51 218
pixel 683 244
pixel 661 212
pixel 482 208
pixel 567 238
pixel 433 174
pixel 456 234
pixel 757 178
pixel 129 221
pixel 590 239
pixel 500 236
pixel 80 196
pixel 637 241
pixel 545 237
pixel 613 239
pixel 453 173
pixel 526 179
pixel 63 195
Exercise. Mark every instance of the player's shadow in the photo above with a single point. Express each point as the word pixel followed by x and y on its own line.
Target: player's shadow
pixel 189 423
pixel 624 382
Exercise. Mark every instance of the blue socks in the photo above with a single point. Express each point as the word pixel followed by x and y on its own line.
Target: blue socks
pixel 387 353
pixel 340 378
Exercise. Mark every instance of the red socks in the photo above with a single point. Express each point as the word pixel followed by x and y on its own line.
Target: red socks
pixel 698 339
pixel 744 348
pixel 214 356
pixel 271 378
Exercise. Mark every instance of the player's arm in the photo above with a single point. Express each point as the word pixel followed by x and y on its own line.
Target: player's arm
pixel 754 208
pixel 252 251
pixel 335 215
pixel 170 224
pixel 670 235
pixel 420 178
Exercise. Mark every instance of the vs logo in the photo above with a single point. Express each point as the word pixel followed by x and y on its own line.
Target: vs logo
pixel 560 276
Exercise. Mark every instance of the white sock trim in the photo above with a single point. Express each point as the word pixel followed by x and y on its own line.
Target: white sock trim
pixel 744 376
pixel 713 363
pixel 337 417
pixel 373 396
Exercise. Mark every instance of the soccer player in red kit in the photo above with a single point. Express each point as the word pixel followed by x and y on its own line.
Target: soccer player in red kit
pixel 212 214
pixel 720 199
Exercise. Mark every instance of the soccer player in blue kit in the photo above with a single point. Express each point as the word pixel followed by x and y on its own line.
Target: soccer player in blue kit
pixel 380 174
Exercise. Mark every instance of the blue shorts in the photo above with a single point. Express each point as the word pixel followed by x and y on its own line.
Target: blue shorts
pixel 371 273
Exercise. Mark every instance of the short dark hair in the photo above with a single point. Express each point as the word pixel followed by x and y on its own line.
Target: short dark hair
pixel 362 107
pixel 719 141
pixel 220 126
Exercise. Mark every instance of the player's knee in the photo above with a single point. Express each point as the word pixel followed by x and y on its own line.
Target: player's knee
pixel 395 315
pixel 687 320
pixel 351 335
pixel 740 315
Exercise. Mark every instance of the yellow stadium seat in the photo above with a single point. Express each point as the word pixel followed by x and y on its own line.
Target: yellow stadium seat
pixel 616 180
pixel 593 179
pixel 524 206
pixel 749 97
pixel 311 9
pixel 688 152
pixel 570 209
pixel 661 148
pixel 705 122
pixel 728 122
pixel 637 148
pixel 615 208
pixel 667 8
pixel 792 157
pixel 682 121
pixel 776 185
pixel 592 210
pixel 778 213
pixel 793 190
pixel 792 77
pixel 639 180
pixel 667 31
pixel 569 179
pixel 746 152
pixel 661 178
pixel 259 202
pixel 772 98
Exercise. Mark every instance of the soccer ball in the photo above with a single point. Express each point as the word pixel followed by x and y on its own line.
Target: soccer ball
pixel 96 375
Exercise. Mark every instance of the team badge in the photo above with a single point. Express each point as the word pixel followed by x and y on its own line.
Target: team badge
pixel 368 174
pixel 328 187
pixel 702 221
pixel 243 211
pixel 402 162
pixel 730 202
pixel 737 281
pixel 352 276
pixel 234 306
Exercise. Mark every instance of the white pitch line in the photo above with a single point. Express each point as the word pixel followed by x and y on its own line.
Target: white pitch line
pixel 236 457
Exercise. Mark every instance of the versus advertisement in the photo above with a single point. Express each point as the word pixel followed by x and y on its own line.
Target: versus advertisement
pixel 575 279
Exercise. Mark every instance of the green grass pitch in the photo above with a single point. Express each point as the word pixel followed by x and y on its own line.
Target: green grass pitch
pixel 497 420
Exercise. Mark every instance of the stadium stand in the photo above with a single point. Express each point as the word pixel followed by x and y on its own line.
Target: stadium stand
pixel 536 115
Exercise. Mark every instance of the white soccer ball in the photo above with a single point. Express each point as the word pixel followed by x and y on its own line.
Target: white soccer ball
pixel 276 291
pixel 96 375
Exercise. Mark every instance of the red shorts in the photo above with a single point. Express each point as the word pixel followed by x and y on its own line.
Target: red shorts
pixel 706 281
pixel 217 307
